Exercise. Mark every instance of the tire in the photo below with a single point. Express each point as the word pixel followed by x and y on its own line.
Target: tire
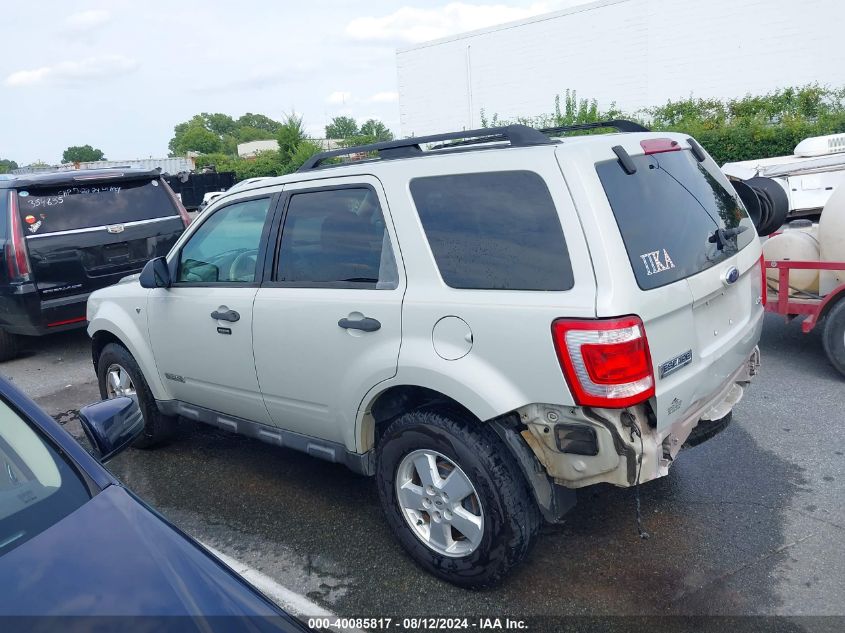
pixel 706 429
pixel 158 428
pixel 833 336
pixel 509 517
pixel 9 346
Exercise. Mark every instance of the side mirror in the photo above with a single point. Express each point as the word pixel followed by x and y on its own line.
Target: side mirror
pixel 155 274
pixel 111 425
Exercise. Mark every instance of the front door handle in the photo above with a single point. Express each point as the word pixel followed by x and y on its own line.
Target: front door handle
pixel 366 324
pixel 225 314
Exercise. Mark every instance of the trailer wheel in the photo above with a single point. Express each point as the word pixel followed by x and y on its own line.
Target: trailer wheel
pixel 833 336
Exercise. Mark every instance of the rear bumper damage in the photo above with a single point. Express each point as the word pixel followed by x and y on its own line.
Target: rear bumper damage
pixel 580 447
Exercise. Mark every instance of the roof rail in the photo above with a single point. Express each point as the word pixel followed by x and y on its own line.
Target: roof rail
pixel 619 124
pixel 517 135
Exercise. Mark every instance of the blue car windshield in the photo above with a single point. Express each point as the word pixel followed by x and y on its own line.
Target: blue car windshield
pixel 38 487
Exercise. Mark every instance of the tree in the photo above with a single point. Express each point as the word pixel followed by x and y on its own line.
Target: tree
pixel 342 127
pixel 195 138
pixel 217 122
pixel 290 136
pixel 196 133
pixel 7 166
pixel 259 122
pixel 376 131
pixel 81 154
pixel 305 150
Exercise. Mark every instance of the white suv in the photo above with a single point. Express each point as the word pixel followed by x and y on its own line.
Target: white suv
pixel 483 325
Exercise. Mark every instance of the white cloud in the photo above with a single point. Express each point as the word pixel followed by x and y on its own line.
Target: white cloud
pixel 414 25
pixel 86 20
pixel 74 72
pixel 384 97
pixel 339 97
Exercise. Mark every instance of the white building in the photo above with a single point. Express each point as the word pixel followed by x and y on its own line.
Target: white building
pixel 634 53
pixel 254 148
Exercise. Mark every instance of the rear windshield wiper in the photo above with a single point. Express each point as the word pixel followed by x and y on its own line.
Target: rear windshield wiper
pixel 721 237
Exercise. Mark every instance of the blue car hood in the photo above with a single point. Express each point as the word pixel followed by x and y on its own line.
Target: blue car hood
pixel 115 557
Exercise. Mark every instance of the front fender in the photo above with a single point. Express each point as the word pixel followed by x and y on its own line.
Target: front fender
pixel 131 330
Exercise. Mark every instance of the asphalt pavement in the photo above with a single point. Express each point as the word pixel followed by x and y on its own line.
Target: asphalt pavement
pixel 750 523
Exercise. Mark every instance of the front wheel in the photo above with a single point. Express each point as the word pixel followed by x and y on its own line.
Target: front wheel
pixel 118 374
pixel 833 336
pixel 455 497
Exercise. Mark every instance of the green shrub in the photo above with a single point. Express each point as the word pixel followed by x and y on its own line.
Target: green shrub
pixel 754 126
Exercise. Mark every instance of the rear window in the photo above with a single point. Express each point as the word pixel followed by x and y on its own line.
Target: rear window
pixel 67 207
pixel 668 211
pixel 494 230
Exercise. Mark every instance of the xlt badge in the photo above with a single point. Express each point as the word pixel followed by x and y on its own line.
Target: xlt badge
pixel 674 364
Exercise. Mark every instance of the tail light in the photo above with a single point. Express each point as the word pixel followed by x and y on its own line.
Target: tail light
pixel 17 259
pixel 605 361
pixel 183 212
pixel 759 283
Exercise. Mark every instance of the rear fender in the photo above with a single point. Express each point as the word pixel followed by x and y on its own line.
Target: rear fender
pixel 483 391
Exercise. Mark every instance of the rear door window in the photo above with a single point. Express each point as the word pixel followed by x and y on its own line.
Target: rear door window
pixel 494 230
pixel 68 207
pixel 336 238
pixel 668 213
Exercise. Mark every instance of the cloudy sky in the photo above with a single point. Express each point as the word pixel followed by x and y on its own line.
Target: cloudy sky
pixel 119 74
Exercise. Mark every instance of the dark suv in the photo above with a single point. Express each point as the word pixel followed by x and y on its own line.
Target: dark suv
pixel 66 234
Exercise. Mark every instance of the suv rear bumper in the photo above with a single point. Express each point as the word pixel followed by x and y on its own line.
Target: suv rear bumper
pixel 22 311
pixel 616 438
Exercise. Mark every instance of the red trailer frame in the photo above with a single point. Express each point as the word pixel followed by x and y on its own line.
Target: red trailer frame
pixel 815 309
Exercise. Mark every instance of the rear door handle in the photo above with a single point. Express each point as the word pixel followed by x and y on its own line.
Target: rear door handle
pixel 225 315
pixel 366 324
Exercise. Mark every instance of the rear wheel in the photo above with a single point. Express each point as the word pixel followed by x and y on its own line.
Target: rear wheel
pixel 833 336
pixel 455 498
pixel 9 346
pixel 118 374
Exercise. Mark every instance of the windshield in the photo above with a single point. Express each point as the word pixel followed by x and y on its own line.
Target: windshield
pixel 68 207
pixel 37 486
pixel 677 216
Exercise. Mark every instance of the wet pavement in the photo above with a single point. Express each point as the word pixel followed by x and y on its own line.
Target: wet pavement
pixel 750 523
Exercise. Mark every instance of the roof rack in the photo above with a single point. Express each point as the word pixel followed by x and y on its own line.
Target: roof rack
pixel 618 124
pixel 517 135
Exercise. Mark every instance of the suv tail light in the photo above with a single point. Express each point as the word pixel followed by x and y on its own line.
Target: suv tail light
pixel 17 258
pixel 605 361
pixel 183 212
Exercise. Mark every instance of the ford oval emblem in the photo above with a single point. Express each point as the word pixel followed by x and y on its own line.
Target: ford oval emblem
pixel 115 228
pixel 731 276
